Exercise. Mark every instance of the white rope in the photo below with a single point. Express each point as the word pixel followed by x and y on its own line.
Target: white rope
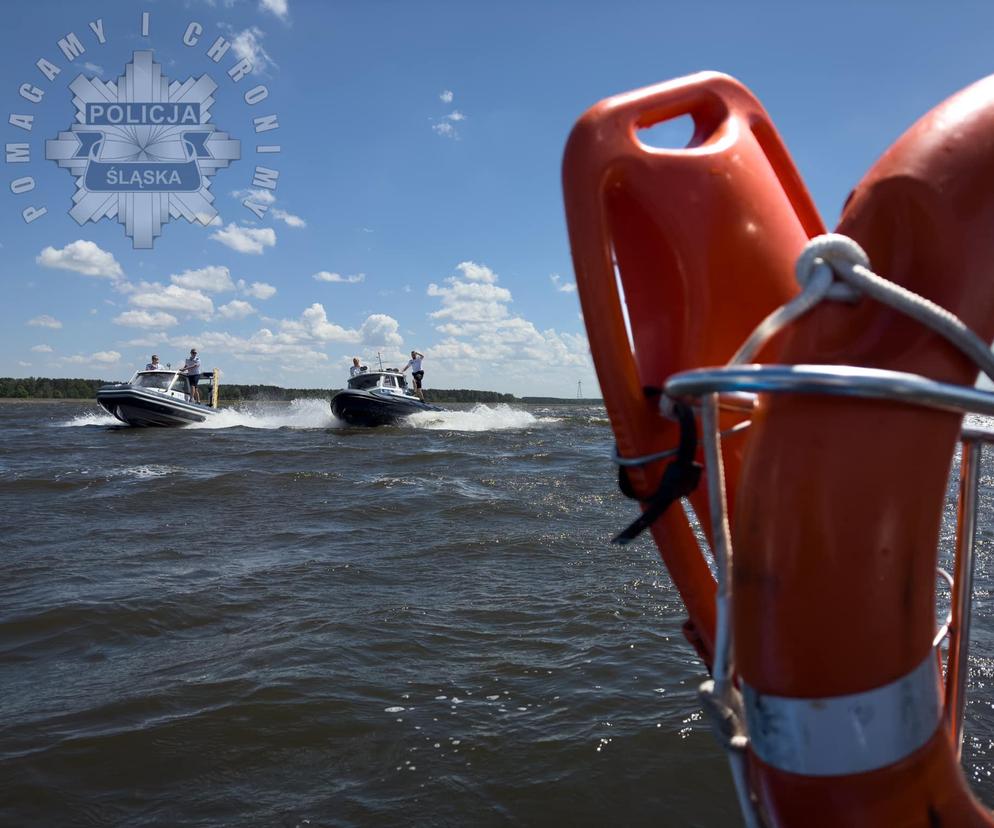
pixel 721 699
pixel 833 266
pixel 822 280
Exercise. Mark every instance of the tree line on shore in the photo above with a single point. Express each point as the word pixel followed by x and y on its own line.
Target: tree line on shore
pixel 86 389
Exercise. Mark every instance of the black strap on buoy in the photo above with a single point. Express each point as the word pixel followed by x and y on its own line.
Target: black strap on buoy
pixel 680 478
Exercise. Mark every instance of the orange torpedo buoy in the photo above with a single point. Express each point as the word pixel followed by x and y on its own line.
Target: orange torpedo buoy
pixel 839 504
pixel 704 239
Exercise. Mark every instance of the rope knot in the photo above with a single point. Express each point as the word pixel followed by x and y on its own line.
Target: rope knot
pixel 825 257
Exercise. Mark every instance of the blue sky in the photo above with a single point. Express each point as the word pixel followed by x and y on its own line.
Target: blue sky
pixel 418 203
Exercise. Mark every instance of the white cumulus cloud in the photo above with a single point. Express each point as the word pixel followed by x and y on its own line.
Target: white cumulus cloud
pixel 288 218
pixel 247 44
pixel 446 96
pixel 562 287
pixel 266 197
pixel 470 302
pixel 149 340
pixel 280 8
pixel 446 125
pixel 84 257
pixel 172 298
pixel 246 239
pixel 479 329
pixel 146 319
pixel 236 309
pixel 445 129
pixel 45 321
pixel 380 330
pixel 42 349
pixel 314 324
pixel 262 346
pixel 257 290
pixel 99 358
pixel 326 276
pixel 212 279
pixel 473 272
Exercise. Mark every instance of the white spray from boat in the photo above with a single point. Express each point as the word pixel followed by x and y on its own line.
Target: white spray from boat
pixel 316 414
pixel 480 417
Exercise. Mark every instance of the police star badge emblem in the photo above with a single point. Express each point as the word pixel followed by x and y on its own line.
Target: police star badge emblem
pixel 142 149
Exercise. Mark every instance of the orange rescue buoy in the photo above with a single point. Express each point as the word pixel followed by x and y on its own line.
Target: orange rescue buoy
pixel 704 239
pixel 837 519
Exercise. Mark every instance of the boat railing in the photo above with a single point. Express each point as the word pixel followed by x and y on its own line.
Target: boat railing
pixel 731 387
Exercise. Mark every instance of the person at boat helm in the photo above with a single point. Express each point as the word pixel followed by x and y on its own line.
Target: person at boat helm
pixel 356 367
pixel 192 370
pixel 155 365
pixel 416 373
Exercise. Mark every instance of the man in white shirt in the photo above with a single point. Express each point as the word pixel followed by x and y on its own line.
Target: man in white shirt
pixel 356 367
pixel 155 365
pixel 416 373
pixel 192 370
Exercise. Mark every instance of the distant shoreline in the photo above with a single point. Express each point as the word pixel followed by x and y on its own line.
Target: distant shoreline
pixel 63 389
pixel 225 403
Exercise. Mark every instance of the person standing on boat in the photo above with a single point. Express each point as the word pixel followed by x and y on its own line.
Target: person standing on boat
pixel 357 368
pixel 155 365
pixel 417 374
pixel 192 370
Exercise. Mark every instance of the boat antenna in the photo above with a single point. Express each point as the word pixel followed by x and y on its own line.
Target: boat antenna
pixel 379 359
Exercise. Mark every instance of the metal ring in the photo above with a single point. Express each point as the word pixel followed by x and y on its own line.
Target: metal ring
pixel 943 630
pixel 833 380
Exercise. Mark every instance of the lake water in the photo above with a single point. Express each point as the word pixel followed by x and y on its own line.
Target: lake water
pixel 277 621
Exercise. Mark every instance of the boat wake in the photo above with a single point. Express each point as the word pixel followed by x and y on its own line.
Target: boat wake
pixel 478 418
pixel 311 413
pixel 90 418
pixel 299 414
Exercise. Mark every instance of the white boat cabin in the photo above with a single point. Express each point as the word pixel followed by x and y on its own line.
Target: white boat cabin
pixel 390 381
pixel 173 384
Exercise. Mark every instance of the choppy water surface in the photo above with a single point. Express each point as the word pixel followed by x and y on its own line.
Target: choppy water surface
pixel 279 621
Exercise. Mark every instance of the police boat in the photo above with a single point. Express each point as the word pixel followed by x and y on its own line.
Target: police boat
pixel 160 398
pixel 376 398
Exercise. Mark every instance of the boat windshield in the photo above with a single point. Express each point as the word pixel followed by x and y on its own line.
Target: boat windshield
pixel 363 382
pixel 163 381
pixel 389 379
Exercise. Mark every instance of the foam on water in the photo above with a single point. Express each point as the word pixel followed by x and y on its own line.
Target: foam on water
pixel 90 418
pixel 304 413
pixel 316 413
pixel 478 418
pixel 143 472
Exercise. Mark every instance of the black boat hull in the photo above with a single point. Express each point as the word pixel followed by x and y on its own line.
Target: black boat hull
pixel 137 407
pixel 362 408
